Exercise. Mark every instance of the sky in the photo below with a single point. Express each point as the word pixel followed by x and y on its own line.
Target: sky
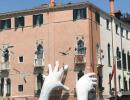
pixel 15 5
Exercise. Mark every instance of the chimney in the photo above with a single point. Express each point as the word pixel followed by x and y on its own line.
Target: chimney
pixel 52 3
pixel 112 13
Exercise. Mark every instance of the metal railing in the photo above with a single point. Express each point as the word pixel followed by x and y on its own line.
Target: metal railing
pixel 79 59
pixel 4 66
pixel 38 63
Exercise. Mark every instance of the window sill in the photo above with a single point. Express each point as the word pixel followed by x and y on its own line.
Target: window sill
pixel 5 29
pixel 128 73
pixel 117 33
pixel 37 25
pixel 108 29
pixel 79 19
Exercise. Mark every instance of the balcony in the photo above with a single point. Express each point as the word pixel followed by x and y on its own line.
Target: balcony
pixel 79 62
pixel 4 66
pixel 38 63
pixel 38 66
pixel 80 59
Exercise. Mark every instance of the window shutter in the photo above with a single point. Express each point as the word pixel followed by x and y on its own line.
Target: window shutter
pixel 34 20
pixel 84 12
pixel 74 14
pixel 41 19
pixel 9 23
pixel 0 24
pixel 16 22
pixel 22 21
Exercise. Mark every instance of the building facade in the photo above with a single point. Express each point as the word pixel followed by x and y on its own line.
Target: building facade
pixel 80 35
pixel 31 39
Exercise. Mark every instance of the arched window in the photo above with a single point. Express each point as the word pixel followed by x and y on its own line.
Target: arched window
pixel 8 87
pixel 118 54
pixel 124 59
pixel 110 75
pixel 129 84
pixel 109 55
pixel 119 82
pixel 125 84
pixel 39 51
pixel 2 87
pixel 128 60
pixel 80 47
pixel 39 82
pixel 6 55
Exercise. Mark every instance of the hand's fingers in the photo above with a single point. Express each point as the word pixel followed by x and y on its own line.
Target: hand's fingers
pixel 50 68
pixel 94 83
pixel 66 88
pixel 56 66
pixel 44 76
pixel 60 85
pixel 65 67
pixel 94 79
pixel 91 74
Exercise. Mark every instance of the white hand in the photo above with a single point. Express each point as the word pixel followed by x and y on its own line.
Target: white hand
pixel 84 85
pixel 52 81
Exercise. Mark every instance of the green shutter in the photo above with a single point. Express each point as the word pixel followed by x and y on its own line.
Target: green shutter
pixel 97 17
pixel 84 12
pixel 34 20
pixel 74 14
pixel 41 19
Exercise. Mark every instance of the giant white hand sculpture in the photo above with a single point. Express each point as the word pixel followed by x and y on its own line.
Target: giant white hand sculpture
pixel 84 85
pixel 52 81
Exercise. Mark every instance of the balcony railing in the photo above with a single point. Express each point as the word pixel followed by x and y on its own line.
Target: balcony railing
pixel 80 59
pixel 4 66
pixel 38 63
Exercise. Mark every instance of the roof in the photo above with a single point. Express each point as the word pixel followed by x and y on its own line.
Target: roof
pixel 46 8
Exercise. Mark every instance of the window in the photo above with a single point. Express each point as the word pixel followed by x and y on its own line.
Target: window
pixel 129 84
pixel 118 54
pixel 39 51
pixel 125 84
pixel 80 47
pixel 21 59
pixel 20 88
pixel 5 24
pixel 107 24
pixel 79 13
pixel 2 87
pixel 6 55
pixel 39 82
pixel 109 55
pixel 37 19
pixel 110 75
pixel 127 34
pixel 116 28
pixel 122 32
pixel 97 17
pixel 124 59
pixel 19 22
pixel 119 82
pixel 8 87
pixel 128 60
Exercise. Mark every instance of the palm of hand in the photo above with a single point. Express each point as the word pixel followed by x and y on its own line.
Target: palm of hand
pixel 84 85
pixel 52 81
